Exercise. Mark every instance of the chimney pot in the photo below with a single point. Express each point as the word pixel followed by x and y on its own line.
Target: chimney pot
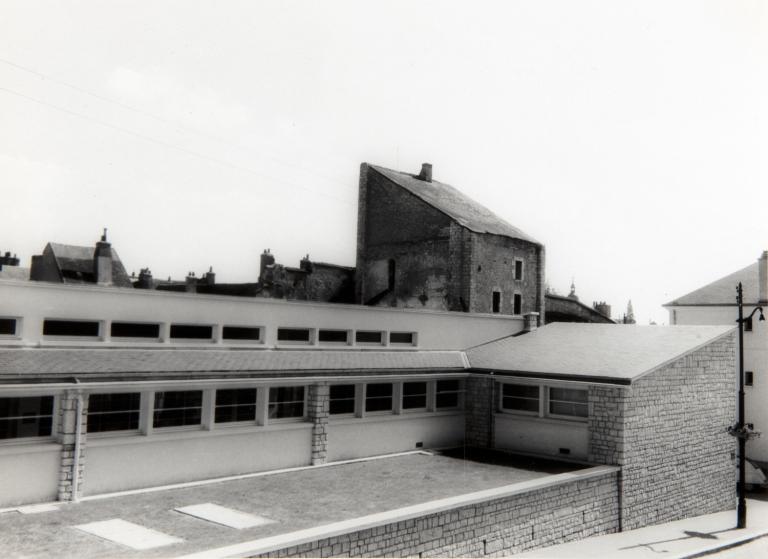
pixel 426 172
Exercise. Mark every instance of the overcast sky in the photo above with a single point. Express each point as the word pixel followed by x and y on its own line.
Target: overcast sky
pixel 629 137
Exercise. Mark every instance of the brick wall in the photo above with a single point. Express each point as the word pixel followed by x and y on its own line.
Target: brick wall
pixel 318 412
pixel 479 406
pixel 567 511
pixel 668 433
pixel 67 435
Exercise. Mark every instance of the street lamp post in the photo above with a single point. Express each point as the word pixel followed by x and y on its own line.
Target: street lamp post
pixel 742 430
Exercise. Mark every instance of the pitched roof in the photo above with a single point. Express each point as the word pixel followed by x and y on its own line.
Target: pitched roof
pixel 723 291
pixel 456 205
pixel 79 259
pixel 604 352
pixel 21 363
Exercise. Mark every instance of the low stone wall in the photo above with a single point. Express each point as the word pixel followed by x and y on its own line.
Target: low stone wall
pixel 494 523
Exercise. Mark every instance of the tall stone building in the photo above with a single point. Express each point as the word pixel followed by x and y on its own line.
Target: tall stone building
pixel 423 244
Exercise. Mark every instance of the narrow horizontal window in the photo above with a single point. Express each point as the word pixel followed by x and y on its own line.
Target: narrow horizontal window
pixel 342 399
pixel 332 336
pixel 568 401
pixel 7 326
pixel 134 330
pixel 286 401
pixel 749 378
pixel 191 332
pixel 378 397
pixel 238 404
pixel 401 338
pixel 174 409
pixel 414 395
pixel 520 397
pixel 30 416
pixel 79 328
pixel 293 335
pixel 362 337
pixel 448 394
pixel 113 412
pixel 241 333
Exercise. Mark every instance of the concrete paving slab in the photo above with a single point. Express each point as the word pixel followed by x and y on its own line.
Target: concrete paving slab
pixel 36 509
pixel 128 534
pixel 224 516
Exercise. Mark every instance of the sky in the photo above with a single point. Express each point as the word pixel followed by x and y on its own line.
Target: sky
pixel 628 137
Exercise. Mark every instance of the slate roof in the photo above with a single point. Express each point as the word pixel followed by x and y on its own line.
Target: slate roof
pixel 602 352
pixel 455 205
pixel 723 291
pixel 79 260
pixel 26 362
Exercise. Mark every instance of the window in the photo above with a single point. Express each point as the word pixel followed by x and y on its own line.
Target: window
pixel 391 274
pixel 7 326
pixel 748 324
pixel 342 399
pixel 191 332
pixel 286 401
pixel 496 304
pixel 79 328
pixel 447 393
pixel 174 409
pixel 368 337
pixel 568 401
pixel 518 269
pixel 296 335
pixel 749 379
pixel 378 397
pixel 401 338
pixel 518 304
pixel 237 404
pixel 113 412
pixel 520 397
pixel 333 336
pixel 414 395
pixel 134 330
pixel 30 416
pixel 241 333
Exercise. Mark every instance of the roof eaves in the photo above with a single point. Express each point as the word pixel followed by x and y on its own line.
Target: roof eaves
pixel 589 379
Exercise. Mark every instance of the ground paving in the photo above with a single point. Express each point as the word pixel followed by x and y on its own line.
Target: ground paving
pixel 293 500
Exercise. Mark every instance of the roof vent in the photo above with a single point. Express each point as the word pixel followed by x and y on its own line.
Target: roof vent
pixel 426 172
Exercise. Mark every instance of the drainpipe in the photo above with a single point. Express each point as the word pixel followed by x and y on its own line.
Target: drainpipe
pixel 76 457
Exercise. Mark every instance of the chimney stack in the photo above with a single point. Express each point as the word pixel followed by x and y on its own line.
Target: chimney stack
pixel 531 321
pixel 762 277
pixel 426 172
pixel 102 261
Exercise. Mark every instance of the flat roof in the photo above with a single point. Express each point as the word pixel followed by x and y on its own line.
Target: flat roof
pixel 579 351
pixel 306 498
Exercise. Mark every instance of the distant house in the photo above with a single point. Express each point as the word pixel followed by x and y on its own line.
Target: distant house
pixel 715 303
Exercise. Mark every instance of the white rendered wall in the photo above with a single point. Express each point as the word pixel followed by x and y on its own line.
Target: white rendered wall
pixel 541 435
pixel 369 436
pixel 179 456
pixel 29 473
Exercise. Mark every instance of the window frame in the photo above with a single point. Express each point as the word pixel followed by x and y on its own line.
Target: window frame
pixel 35 438
pixel 426 395
pixel 288 419
pixel 577 418
pixel 355 400
pixel 185 427
pixel 513 411
pixel 521 276
pixel 99 336
pixel 459 395
pixel 224 424
pixel 17 328
pixel 113 432
pixel 544 400
pixel 391 396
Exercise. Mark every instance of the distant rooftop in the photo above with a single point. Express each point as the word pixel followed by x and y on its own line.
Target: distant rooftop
pixel 456 205
pixel 723 291
pixel 609 352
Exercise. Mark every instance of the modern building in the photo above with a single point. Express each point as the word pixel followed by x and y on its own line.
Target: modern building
pixel 715 303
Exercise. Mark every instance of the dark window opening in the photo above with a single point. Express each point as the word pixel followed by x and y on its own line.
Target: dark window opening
pixel 368 337
pixel 496 305
pixel 241 333
pixel 238 404
pixel 520 397
pixel 336 336
pixel 391 274
pixel 401 338
pixel 568 401
pixel 518 269
pixel 342 399
pixel 70 328
pixel 748 324
pixel 286 401
pixel 518 304
pixel 191 332
pixel 7 326
pixel 293 335
pixel 134 330
pixel 749 378
pixel 378 397
pixel 174 409
pixel 414 395
pixel 447 393
pixel 113 412
pixel 26 417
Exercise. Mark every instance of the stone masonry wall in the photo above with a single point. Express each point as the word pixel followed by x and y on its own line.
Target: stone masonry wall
pixel 480 407
pixel 67 422
pixel 668 433
pixel 495 528
pixel 318 412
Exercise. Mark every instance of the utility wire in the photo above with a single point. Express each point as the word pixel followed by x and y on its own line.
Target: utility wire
pixel 170 145
pixel 181 127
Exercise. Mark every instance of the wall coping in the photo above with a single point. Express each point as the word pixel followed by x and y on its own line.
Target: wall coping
pixel 298 537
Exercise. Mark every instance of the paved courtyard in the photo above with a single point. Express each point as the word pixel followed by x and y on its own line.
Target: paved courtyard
pixel 289 501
